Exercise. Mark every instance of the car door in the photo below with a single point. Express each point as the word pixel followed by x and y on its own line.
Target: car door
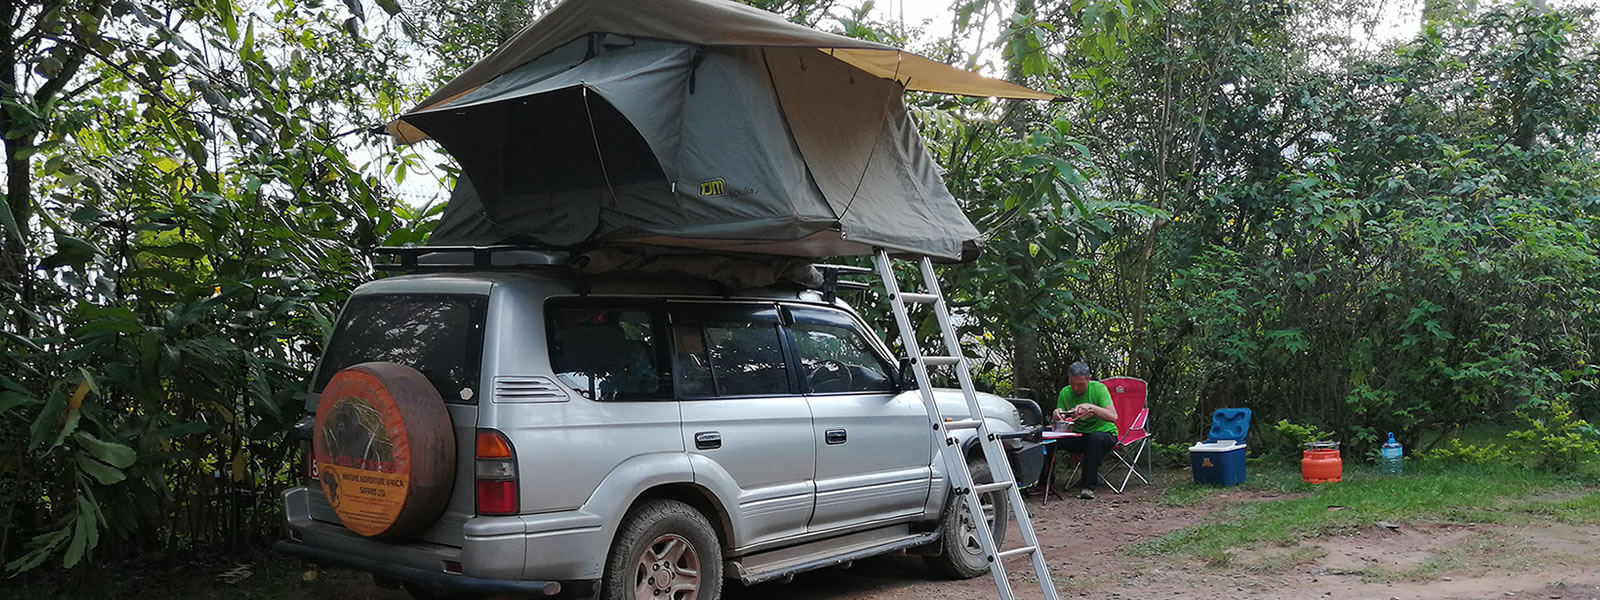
pixel 747 429
pixel 872 443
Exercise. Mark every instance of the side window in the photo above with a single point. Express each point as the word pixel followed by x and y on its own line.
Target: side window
pixel 835 359
pixel 727 357
pixel 607 353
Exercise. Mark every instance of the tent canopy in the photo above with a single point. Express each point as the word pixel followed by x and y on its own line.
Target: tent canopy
pixel 708 23
pixel 743 137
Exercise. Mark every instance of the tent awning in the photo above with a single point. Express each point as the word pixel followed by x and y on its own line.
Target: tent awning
pixel 706 23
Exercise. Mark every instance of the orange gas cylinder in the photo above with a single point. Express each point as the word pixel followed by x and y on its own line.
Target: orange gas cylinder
pixel 1321 463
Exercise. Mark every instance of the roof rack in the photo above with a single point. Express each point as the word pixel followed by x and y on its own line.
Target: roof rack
pixel 831 284
pixel 434 259
pixel 473 258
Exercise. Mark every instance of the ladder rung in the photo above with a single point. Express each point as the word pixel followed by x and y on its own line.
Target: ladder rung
pixel 934 361
pixel 991 487
pixel 963 424
pixel 1023 551
pixel 919 298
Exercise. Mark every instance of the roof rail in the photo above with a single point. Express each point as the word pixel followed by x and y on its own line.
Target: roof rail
pixel 472 258
pixel 847 269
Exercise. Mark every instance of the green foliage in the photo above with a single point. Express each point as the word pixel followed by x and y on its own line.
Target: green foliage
pixel 184 211
pixel 1556 440
pixel 1170 455
pixel 1287 440
pixel 1456 452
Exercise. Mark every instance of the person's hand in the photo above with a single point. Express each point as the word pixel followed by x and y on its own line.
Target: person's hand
pixel 1082 410
pixel 1059 415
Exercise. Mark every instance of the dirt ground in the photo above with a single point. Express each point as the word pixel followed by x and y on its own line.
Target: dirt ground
pixel 1415 561
pixel 1090 560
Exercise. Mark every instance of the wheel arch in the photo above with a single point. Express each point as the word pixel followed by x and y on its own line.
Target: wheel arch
pixel 698 498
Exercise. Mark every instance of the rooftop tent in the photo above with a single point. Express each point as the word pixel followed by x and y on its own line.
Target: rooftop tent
pixel 694 123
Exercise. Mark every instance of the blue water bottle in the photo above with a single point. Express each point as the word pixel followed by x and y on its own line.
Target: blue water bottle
pixel 1390 462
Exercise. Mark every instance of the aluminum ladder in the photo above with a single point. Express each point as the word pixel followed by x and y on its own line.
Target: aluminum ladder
pixel 955 463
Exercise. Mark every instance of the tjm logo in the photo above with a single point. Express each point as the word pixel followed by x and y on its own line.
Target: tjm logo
pixel 713 187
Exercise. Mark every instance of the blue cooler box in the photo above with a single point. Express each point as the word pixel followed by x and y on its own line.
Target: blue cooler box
pixel 1217 463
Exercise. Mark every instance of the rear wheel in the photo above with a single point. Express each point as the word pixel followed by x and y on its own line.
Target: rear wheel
pixel 960 555
pixel 665 550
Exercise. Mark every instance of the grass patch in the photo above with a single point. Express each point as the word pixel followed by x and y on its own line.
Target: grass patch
pixel 1427 492
pixel 1187 494
pixel 1579 511
pixel 1583 510
pixel 1262 478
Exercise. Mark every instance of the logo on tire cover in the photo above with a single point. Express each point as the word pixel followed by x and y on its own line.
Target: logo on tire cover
pixel 364 459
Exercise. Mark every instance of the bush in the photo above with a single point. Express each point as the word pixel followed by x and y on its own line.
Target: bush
pixel 1556 440
pixel 1467 454
pixel 1288 439
pixel 1170 455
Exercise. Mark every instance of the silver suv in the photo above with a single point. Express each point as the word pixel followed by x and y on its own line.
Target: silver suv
pixel 646 438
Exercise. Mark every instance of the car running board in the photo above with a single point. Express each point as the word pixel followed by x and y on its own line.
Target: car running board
pixel 785 563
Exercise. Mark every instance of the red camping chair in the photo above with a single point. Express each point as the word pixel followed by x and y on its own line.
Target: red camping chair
pixel 1133 442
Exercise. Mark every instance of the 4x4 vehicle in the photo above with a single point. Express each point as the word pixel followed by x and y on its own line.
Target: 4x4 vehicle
pixel 634 437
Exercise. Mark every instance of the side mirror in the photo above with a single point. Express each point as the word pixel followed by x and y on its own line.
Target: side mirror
pixel 905 379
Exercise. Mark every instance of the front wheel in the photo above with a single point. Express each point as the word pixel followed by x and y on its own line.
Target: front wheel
pixel 960 555
pixel 665 550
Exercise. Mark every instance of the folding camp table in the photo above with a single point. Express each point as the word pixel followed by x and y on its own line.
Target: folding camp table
pixel 1050 438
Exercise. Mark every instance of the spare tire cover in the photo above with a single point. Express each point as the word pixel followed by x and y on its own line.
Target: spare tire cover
pixel 384 449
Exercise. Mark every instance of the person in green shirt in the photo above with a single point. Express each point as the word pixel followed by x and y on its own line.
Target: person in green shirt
pixel 1088 404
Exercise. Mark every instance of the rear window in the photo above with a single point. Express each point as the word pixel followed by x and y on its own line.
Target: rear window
pixel 439 335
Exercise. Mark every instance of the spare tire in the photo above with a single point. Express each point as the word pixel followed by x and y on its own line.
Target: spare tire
pixel 384 448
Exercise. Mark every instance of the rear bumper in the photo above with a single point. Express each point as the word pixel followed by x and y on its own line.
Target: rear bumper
pixel 435 579
pixel 529 555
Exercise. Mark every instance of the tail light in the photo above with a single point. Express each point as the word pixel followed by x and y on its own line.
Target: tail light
pixel 311 461
pixel 496 473
pixel 302 430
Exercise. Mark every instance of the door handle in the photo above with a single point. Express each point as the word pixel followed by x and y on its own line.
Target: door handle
pixel 707 440
pixel 834 436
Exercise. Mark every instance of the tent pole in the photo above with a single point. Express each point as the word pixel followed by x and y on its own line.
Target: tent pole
pixel 604 174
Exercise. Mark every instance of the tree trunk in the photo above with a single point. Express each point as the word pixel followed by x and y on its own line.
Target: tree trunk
pixel 1024 321
pixel 19 183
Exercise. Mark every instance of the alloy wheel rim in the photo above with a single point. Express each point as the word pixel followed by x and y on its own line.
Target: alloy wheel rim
pixel 668 569
pixel 969 531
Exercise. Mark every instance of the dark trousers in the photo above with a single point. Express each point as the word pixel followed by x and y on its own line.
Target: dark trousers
pixel 1093 447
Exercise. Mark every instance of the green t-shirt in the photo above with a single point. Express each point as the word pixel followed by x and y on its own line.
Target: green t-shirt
pixel 1096 394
